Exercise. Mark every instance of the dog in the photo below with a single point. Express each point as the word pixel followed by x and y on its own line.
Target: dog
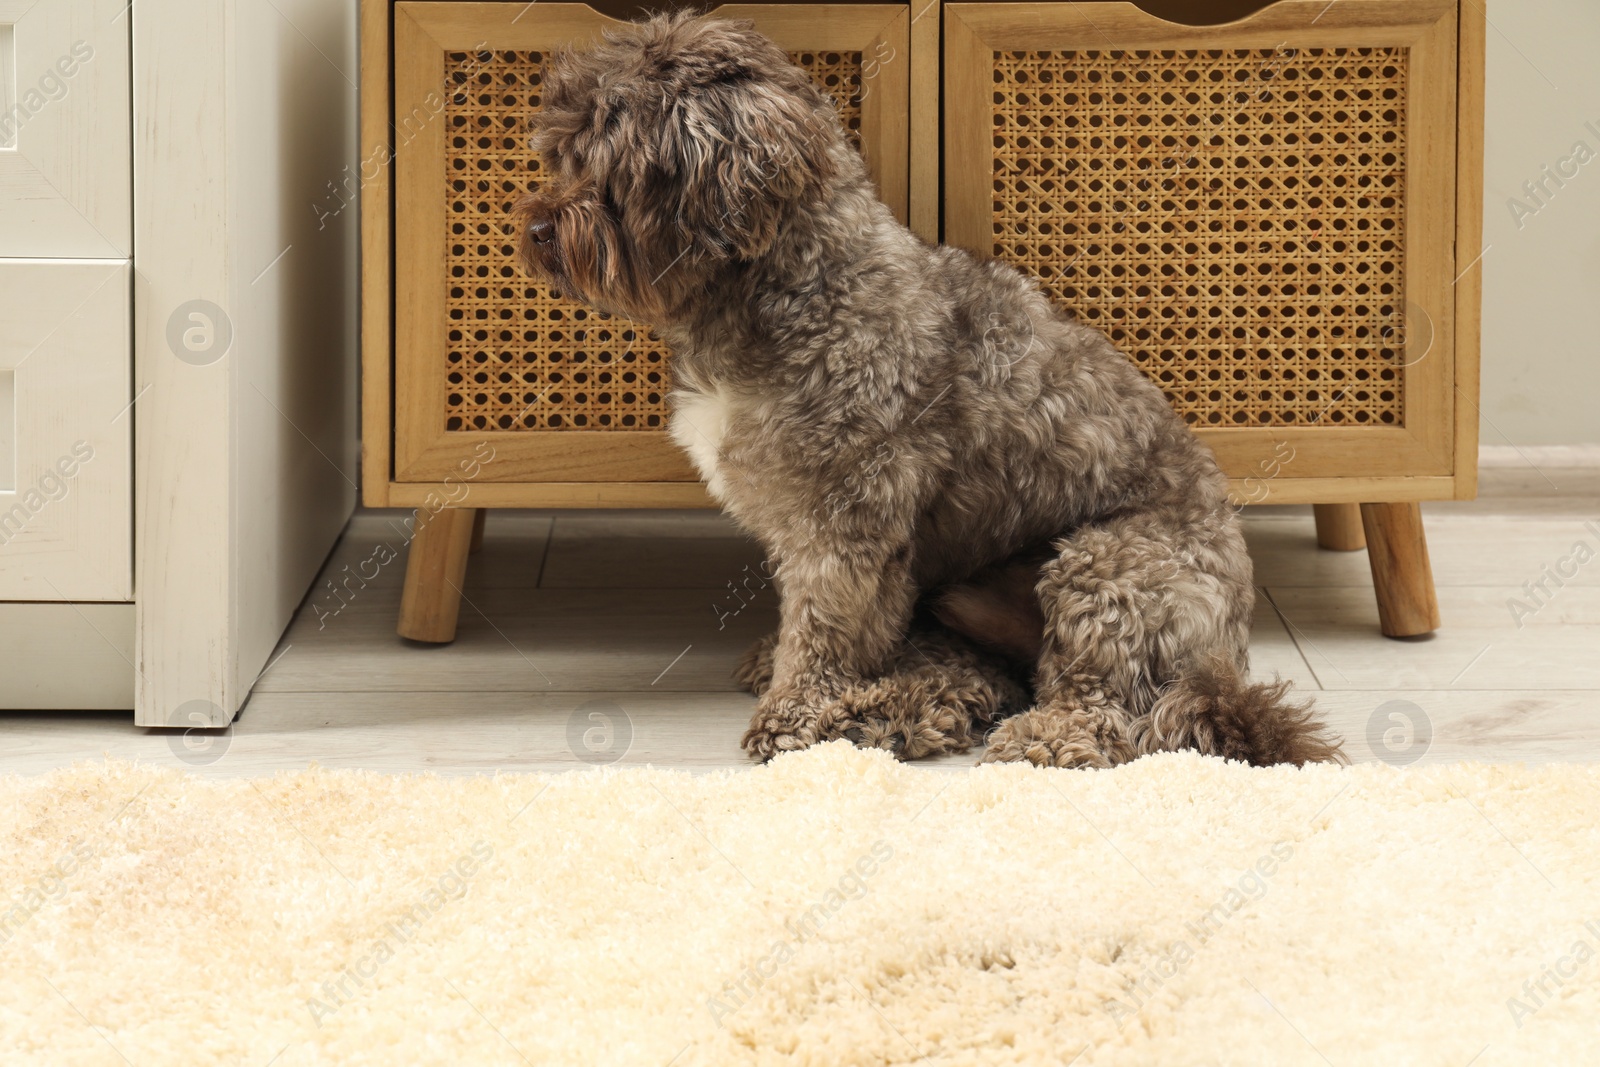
pixel 917 437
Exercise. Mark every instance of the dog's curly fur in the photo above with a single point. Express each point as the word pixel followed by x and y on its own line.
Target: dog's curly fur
pixel 932 693
pixel 898 424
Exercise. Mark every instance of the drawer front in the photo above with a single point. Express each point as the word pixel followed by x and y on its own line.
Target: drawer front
pixel 485 358
pixel 66 471
pixel 66 657
pixel 1259 214
pixel 65 165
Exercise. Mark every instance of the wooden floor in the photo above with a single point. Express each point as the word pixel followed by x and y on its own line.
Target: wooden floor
pixel 595 637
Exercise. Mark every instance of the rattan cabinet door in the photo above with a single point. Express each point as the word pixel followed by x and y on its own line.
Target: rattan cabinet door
pixel 1259 214
pixel 483 354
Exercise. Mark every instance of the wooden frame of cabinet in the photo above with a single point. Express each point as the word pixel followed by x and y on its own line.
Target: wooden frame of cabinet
pixel 1385 470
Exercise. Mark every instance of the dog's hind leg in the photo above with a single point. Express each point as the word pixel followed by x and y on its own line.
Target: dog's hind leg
pixel 1126 603
pixel 1078 724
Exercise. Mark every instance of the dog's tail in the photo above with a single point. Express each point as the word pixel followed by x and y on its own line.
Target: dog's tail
pixel 1210 709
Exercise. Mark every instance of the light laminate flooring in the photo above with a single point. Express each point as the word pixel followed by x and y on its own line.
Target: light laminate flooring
pixel 608 638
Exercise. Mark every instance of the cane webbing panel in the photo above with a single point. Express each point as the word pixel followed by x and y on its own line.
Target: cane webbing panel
pixel 1233 219
pixel 519 358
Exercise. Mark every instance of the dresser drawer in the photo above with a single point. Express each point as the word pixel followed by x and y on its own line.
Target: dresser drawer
pixel 66 511
pixel 65 156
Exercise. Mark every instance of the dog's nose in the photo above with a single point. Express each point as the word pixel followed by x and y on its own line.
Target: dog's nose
pixel 541 231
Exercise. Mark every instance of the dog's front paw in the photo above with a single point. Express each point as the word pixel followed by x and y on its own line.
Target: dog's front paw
pixel 785 724
pixel 754 672
pixel 906 715
pixel 1045 739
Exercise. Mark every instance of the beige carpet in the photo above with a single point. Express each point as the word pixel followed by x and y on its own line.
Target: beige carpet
pixel 832 908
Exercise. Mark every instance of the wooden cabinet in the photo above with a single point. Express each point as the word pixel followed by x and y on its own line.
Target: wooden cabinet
pixel 1276 217
pixel 1262 215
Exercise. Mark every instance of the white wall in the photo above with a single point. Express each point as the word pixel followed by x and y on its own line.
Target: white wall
pixel 1541 330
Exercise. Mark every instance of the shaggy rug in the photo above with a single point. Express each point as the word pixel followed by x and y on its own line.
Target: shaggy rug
pixel 832 908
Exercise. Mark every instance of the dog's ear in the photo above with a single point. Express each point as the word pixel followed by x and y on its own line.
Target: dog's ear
pixel 744 149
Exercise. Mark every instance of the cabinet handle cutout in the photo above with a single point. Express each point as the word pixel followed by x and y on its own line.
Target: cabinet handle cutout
pixel 8 431
pixel 8 86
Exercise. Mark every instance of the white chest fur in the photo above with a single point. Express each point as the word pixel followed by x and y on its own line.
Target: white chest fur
pixel 699 423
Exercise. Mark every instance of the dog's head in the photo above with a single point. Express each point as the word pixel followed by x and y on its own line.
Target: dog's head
pixel 678 146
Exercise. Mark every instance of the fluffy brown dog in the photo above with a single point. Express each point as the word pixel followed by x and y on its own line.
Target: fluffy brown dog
pixel 897 422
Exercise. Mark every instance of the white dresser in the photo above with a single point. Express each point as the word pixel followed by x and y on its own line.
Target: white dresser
pixel 177 342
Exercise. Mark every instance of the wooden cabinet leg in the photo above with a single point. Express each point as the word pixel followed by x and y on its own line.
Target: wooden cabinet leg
pixel 477 529
pixel 1397 549
pixel 1339 527
pixel 435 572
